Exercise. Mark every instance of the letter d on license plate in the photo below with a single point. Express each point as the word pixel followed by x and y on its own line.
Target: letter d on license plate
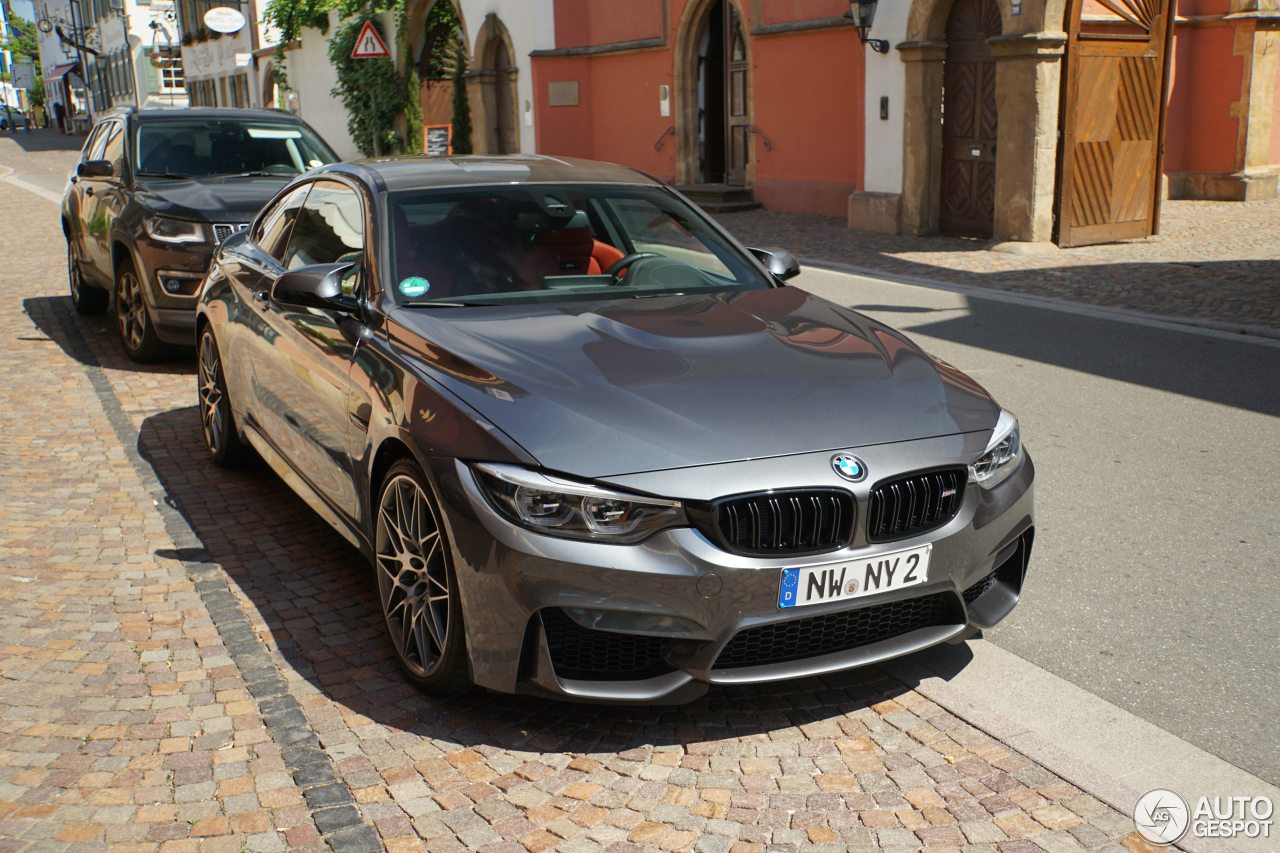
pixel 854 578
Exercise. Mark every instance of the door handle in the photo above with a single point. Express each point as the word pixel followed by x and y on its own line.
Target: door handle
pixel 261 298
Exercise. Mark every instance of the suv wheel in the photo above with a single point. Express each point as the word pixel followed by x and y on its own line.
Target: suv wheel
pixel 133 321
pixel 86 298
pixel 416 583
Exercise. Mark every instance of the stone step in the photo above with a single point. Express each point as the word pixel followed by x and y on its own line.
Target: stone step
pixel 720 198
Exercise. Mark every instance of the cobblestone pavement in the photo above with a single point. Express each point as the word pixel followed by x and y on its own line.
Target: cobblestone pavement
pixel 1213 261
pixel 191 660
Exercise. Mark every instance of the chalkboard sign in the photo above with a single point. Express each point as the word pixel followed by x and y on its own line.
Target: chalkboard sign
pixel 435 140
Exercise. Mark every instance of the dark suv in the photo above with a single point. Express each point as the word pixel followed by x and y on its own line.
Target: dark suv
pixel 154 192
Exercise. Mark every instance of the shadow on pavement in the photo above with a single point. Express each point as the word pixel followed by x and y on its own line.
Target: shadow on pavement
pixel 44 139
pixel 1239 374
pixel 41 310
pixel 315 596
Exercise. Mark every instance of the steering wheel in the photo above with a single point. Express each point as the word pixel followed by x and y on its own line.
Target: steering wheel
pixel 627 260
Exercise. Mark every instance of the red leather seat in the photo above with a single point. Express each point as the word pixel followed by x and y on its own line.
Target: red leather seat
pixel 558 251
pixel 603 256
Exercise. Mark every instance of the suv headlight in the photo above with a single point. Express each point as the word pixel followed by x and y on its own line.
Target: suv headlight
pixel 174 230
pixel 1002 455
pixel 575 510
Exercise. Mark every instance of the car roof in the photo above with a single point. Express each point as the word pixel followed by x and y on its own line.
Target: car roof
pixel 206 113
pixel 423 172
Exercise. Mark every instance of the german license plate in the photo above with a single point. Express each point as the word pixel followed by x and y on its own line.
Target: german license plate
pixel 854 579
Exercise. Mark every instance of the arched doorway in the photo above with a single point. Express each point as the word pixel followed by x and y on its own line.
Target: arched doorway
pixel 443 46
pixel 969 120
pixel 714 96
pixel 269 86
pixel 498 92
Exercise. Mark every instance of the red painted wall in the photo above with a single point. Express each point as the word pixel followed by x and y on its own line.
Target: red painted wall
pixel 1200 131
pixel 583 22
pixel 780 11
pixel 807 99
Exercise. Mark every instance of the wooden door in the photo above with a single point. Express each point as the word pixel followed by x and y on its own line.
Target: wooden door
pixel 1114 96
pixel 969 120
pixel 737 96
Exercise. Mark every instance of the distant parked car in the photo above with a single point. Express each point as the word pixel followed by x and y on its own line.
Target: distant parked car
pixel 592 446
pixel 154 192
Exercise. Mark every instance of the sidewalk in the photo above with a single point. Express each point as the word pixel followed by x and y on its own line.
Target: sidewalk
pixel 1215 262
pixel 193 661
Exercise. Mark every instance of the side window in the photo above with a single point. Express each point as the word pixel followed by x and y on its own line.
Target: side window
pixel 330 229
pixel 113 149
pixel 273 227
pixel 96 142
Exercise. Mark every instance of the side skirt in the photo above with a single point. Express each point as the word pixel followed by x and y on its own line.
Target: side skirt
pixel 303 489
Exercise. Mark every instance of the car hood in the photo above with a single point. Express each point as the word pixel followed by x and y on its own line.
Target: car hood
pixel 605 388
pixel 209 199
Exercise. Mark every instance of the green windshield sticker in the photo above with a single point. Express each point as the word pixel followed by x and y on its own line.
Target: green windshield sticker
pixel 414 286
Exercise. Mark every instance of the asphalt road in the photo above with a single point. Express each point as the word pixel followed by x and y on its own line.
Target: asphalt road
pixel 1153 583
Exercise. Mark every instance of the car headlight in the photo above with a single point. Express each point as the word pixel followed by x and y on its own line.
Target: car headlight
pixel 174 230
pixel 1002 455
pixel 574 510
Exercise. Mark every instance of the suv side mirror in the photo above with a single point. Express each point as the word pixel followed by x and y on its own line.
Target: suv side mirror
pixel 95 169
pixel 780 262
pixel 316 286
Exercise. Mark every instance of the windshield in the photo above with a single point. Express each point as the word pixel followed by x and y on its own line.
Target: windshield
pixel 202 149
pixel 540 242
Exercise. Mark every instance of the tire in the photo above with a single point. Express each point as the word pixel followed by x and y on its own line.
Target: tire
pixel 220 435
pixel 133 320
pixel 86 298
pixel 417 587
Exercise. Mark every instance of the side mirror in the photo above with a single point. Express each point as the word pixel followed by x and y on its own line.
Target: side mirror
pixel 316 286
pixel 95 169
pixel 780 262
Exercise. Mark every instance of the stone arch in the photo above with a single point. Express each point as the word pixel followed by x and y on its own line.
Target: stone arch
pixel 496 75
pixel 1028 65
pixel 408 50
pixel 685 84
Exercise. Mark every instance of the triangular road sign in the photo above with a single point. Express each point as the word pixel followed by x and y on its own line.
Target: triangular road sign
pixel 369 45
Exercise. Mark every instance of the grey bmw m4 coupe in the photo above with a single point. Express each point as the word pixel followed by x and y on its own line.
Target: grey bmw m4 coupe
pixel 593 447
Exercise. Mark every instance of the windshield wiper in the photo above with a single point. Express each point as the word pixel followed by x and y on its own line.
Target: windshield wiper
pixel 259 174
pixel 439 303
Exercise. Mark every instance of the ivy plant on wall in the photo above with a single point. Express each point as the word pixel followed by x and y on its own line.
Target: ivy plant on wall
pixel 370 89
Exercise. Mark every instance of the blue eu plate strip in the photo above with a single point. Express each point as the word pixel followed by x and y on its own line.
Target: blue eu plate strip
pixel 787 589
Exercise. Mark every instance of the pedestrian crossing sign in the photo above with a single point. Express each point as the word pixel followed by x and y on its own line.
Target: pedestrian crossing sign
pixel 369 45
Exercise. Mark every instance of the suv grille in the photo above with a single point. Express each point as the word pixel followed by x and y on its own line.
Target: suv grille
pixel 223 230
pixel 836 632
pixel 801 521
pixel 915 503
pixel 591 655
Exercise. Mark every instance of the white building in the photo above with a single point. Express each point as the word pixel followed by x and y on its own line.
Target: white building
pixel 226 52
pixel 131 58
pixel 500 35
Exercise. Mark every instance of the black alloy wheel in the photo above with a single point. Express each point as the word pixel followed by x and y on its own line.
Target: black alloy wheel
pixel 220 434
pixel 86 298
pixel 417 587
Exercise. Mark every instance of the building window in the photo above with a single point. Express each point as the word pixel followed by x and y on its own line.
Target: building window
pixel 171 74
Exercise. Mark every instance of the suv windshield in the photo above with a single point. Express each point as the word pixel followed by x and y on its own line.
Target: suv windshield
pixel 541 242
pixel 202 149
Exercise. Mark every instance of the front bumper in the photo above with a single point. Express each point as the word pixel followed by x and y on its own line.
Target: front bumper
pixel 657 621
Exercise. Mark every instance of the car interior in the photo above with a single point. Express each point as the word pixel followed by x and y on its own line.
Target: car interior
pixel 486 243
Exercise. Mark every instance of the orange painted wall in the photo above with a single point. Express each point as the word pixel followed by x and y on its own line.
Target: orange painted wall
pixel 807 98
pixel 583 22
pixel 780 11
pixel 1200 131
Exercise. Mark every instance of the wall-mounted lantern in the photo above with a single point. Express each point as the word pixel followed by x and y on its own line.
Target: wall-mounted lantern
pixel 863 12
